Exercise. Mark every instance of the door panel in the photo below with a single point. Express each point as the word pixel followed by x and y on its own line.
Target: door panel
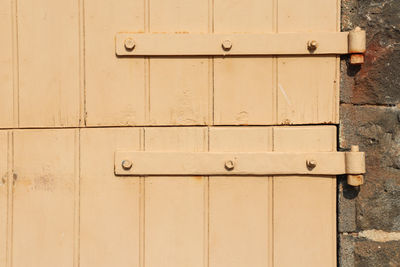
pixel 4 194
pixel 45 170
pixel 61 203
pixel 307 87
pixel 295 240
pixel 48 56
pixel 178 87
pixel 244 86
pixel 175 207
pixel 66 68
pixel 109 205
pixel 115 87
pixel 240 208
pixel 6 66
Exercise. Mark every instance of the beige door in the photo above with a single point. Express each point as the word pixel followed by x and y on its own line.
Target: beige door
pixel 68 104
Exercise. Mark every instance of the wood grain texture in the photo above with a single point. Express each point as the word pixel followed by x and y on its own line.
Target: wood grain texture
pixel 305 206
pixel 115 87
pixel 109 217
pixel 6 65
pixel 48 48
pixel 307 87
pixel 175 228
pixel 4 182
pixel 243 86
pixel 240 207
pixel 43 197
pixel 178 86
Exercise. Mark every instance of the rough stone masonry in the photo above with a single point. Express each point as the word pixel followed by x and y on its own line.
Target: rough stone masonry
pixel 369 216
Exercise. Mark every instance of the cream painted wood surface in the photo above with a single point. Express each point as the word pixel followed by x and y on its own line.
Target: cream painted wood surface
pixel 109 206
pixel 45 165
pixel 59 69
pixel 240 208
pixel 295 240
pixel 68 103
pixel 48 63
pixel 175 210
pixel 4 182
pixel 114 87
pixel 186 79
pixel 6 66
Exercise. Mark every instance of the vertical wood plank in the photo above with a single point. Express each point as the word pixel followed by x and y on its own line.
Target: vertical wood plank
pixel 114 86
pixel 6 65
pixel 174 206
pixel 48 43
pixel 240 207
pixel 179 86
pixel 77 193
pixel 244 92
pixel 307 87
pixel 304 206
pixel 307 90
pixel 4 182
pixel 43 215
pixel 109 220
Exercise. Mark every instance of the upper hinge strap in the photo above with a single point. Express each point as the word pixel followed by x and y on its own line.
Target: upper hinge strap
pixel 191 44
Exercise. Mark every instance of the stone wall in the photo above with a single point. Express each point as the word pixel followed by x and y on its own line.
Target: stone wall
pixel 369 216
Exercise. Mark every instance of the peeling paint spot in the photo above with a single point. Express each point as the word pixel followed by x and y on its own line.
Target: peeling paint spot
pixel 380 236
pixel 44 183
pixel 242 117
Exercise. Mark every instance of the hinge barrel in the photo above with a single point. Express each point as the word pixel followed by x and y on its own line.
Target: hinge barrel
pixel 357 45
pixel 355 166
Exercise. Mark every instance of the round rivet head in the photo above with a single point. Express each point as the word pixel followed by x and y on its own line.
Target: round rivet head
pixel 311 164
pixel 312 45
pixel 126 164
pixel 129 44
pixel 229 165
pixel 227 45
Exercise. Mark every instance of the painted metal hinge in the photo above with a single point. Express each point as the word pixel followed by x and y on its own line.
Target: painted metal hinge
pixel 139 163
pixel 192 44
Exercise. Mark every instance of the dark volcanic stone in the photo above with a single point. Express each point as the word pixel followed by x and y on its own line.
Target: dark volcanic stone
pixel 377 131
pixel 378 80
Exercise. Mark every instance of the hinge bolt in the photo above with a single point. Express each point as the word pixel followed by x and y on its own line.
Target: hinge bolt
pixel 227 45
pixel 229 165
pixel 126 164
pixel 311 164
pixel 129 44
pixel 312 45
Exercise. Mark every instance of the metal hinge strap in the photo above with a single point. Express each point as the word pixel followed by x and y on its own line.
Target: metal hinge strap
pixel 192 44
pixel 240 163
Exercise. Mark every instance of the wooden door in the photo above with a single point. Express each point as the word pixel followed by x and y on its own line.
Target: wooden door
pixel 68 103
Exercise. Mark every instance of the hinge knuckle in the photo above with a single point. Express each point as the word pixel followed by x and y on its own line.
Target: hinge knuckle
pixel 357 45
pixel 355 162
pixel 355 166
